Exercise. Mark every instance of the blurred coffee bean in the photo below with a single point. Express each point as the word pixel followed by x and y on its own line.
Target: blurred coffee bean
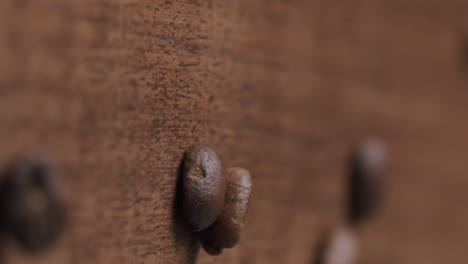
pixel 338 247
pixel 31 207
pixel 366 180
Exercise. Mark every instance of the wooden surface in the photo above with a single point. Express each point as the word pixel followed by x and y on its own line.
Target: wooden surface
pixel 116 91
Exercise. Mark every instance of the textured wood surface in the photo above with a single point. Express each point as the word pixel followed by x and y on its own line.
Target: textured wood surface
pixel 116 91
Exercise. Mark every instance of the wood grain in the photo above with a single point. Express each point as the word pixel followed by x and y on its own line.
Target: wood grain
pixel 116 91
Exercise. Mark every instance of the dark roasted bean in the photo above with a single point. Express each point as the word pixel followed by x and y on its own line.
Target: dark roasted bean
pixel 225 231
pixel 204 187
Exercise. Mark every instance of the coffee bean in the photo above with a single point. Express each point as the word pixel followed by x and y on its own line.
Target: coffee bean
pixel 366 180
pixel 225 231
pixel 338 247
pixel 32 208
pixel 204 187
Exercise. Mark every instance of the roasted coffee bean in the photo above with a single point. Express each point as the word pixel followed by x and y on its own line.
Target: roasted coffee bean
pixel 338 247
pixel 204 187
pixel 225 231
pixel 366 180
pixel 31 206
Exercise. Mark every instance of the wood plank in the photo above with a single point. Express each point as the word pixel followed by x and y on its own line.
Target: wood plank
pixel 117 91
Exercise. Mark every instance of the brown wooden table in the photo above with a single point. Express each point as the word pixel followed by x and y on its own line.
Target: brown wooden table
pixel 116 91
